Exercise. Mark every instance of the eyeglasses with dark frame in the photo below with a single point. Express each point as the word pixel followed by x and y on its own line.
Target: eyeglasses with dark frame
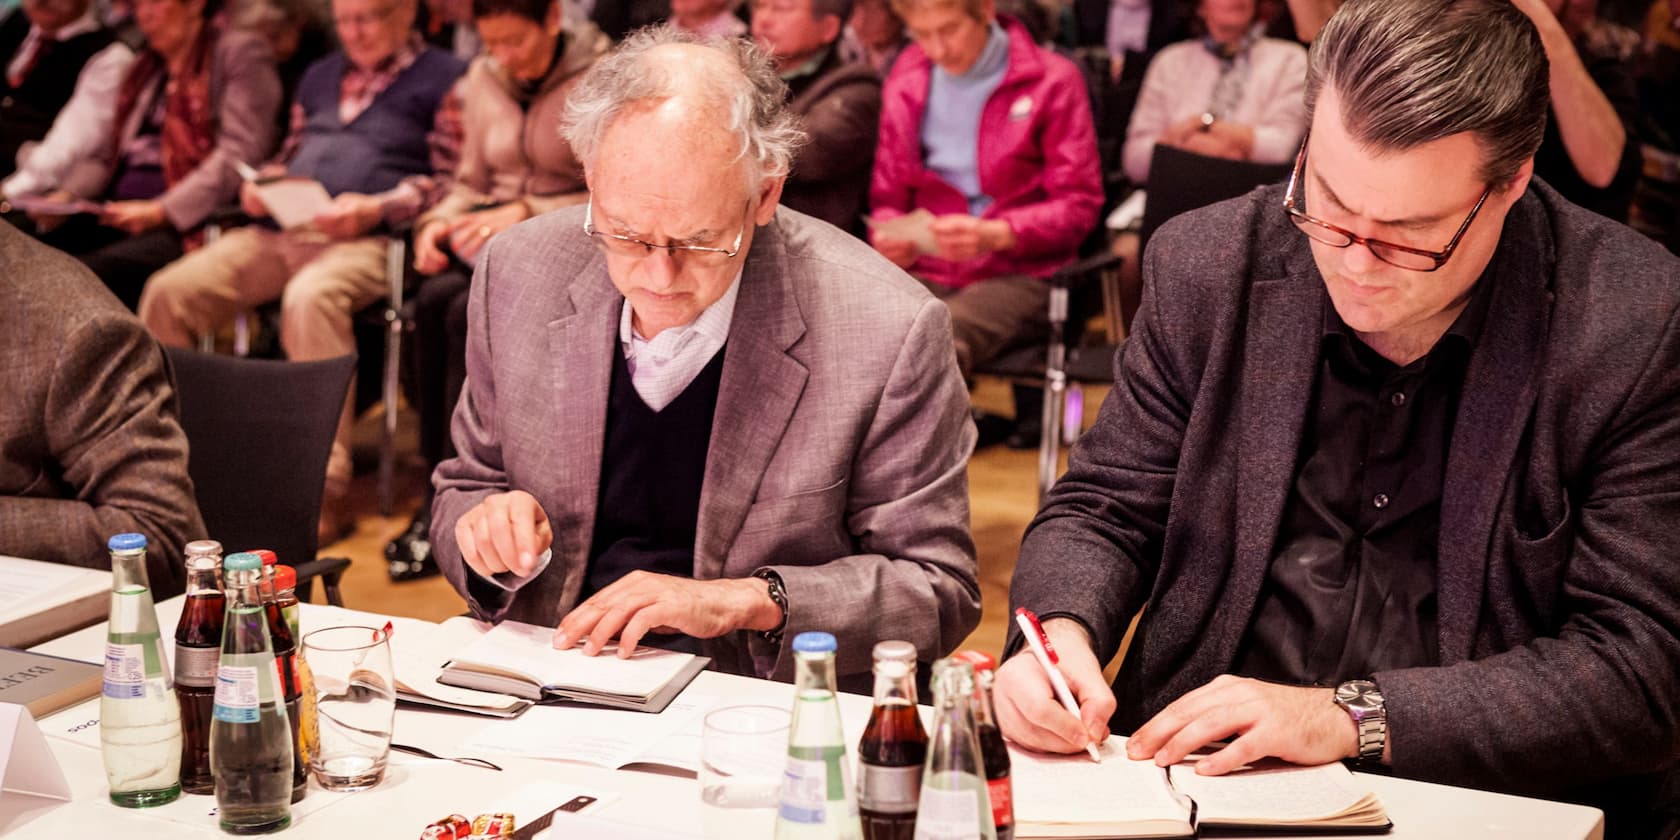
pixel 633 248
pixel 1413 259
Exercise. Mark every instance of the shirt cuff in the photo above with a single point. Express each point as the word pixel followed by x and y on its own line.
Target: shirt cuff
pixel 510 582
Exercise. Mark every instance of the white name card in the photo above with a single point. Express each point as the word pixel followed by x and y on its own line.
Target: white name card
pixel 27 765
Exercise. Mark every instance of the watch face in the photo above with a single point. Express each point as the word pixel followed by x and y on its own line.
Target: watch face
pixel 1362 694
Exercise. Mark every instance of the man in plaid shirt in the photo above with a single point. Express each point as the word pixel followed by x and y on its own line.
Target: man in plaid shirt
pixel 377 125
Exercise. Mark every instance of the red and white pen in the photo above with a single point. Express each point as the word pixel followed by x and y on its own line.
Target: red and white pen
pixel 1045 653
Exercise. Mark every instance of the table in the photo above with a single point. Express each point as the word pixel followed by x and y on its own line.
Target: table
pixel 41 601
pixel 417 791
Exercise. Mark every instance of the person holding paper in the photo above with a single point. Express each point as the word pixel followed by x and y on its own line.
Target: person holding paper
pixel 1390 458
pixel 90 444
pixel 375 123
pixel 692 413
pixel 992 134
pixel 199 98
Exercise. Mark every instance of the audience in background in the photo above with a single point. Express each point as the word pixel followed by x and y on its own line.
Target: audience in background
pixel 992 134
pixel 448 25
pixel 618 18
pixel 514 165
pixel 1230 94
pixel 1591 153
pixel 708 17
pixel 296 35
pixel 373 123
pixel 78 131
pixel 874 35
pixel 197 100
pixel 838 103
pixel 90 445
pixel 43 48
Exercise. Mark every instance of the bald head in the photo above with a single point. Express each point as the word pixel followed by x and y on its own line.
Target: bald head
pixel 704 95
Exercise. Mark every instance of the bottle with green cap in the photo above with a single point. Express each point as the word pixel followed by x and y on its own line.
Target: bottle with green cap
pixel 817 799
pixel 139 716
pixel 251 742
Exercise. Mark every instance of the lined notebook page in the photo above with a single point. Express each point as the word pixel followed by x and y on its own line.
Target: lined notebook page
pixel 1275 792
pixel 1072 790
pixel 528 650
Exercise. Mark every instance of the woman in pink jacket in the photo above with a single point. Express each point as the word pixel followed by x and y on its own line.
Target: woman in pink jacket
pixel 991 134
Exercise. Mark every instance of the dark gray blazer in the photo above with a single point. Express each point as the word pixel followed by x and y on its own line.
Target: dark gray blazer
pixel 1559 564
pixel 838 455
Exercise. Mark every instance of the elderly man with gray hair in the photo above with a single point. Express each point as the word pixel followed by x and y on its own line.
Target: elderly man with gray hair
pixel 697 420
pixel 1391 457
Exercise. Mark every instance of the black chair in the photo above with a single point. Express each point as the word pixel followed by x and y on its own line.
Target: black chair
pixel 259 432
pixel 1180 181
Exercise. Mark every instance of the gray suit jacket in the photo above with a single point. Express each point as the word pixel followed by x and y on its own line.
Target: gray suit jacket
pixel 839 444
pixel 1559 560
pixel 89 441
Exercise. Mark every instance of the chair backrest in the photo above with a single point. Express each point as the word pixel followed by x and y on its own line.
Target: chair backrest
pixel 258 435
pixel 1180 181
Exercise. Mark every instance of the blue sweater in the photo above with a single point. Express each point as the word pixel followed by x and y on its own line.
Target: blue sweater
pixel 951 126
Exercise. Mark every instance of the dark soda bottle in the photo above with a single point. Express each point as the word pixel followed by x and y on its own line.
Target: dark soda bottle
pixel 893 748
pixel 198 646
pixel 992 749
pixel 285 663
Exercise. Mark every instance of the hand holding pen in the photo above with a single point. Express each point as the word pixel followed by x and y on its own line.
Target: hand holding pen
pixel 1045 653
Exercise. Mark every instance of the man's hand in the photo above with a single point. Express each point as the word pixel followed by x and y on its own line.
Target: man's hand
pixel 350 215
pixel 1298 724
pixel 429 257
pixel 964 237
pixel 503 533
pixel 643 602
pixel 469 233
pixel 1027 709
pixel 132 217
pixel 900 252
pixel 1180 132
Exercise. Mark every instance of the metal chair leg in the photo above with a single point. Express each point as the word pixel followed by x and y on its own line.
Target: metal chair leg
pixel 1055 393
pixel 394 259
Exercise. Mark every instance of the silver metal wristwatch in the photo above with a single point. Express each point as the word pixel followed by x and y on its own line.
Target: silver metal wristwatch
pixel 1363 702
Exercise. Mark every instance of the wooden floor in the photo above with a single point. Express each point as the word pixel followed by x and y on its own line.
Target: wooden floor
pixel 1001 486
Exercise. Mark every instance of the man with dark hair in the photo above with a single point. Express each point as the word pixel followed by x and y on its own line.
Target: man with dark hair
pixel 1390 455
pixel 839 103
pixel 44 45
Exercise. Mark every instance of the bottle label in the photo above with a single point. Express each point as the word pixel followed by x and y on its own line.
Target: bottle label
pixel 1003 802
pixel 805 791
pixel 949 814
pixel 889 790
pixel 236 694
pixel 125 671
pixel 196 666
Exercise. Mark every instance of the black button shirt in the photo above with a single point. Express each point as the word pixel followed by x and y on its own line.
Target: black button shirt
pixel 1351 586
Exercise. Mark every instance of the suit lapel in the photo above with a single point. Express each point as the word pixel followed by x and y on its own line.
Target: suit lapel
pixel 1280 361
pixel 759 390
pixel 1494 407
pixel 580 357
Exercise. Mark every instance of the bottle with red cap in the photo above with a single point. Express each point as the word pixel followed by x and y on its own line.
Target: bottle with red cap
pixel 992 749
pixel 285 662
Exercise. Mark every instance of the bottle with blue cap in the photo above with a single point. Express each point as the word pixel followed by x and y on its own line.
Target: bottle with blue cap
pixel 251 743
pixel 139 715
pixel 817 798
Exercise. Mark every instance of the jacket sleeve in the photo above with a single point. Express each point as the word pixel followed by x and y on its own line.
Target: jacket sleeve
pixel 1283 114
pixel 897 152
pixel 1073 185
pixel 113 435
pixel 908 510
pixel 249 101
pixel 1092 552
pixel 1151 117
pixel 1599 697
pixel 476 471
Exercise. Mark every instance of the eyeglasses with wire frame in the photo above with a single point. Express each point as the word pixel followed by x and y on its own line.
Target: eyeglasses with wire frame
pixel 632 248
pixel 1402 256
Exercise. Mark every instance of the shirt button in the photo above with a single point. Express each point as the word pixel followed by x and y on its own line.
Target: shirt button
pixel 1399 399
pixel 1379 501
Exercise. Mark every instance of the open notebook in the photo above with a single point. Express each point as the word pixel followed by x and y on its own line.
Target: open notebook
pixel 1073 797
pixel 520 659
pixel 419 650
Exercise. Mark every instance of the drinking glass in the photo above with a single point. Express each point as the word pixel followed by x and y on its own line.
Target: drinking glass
pixel 355 701
pixel 743 752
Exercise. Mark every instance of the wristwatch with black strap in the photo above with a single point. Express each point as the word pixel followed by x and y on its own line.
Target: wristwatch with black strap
pixel 778 593
pixel 1363 702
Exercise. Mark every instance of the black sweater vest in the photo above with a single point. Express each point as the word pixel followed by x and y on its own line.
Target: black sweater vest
pixel 652 466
